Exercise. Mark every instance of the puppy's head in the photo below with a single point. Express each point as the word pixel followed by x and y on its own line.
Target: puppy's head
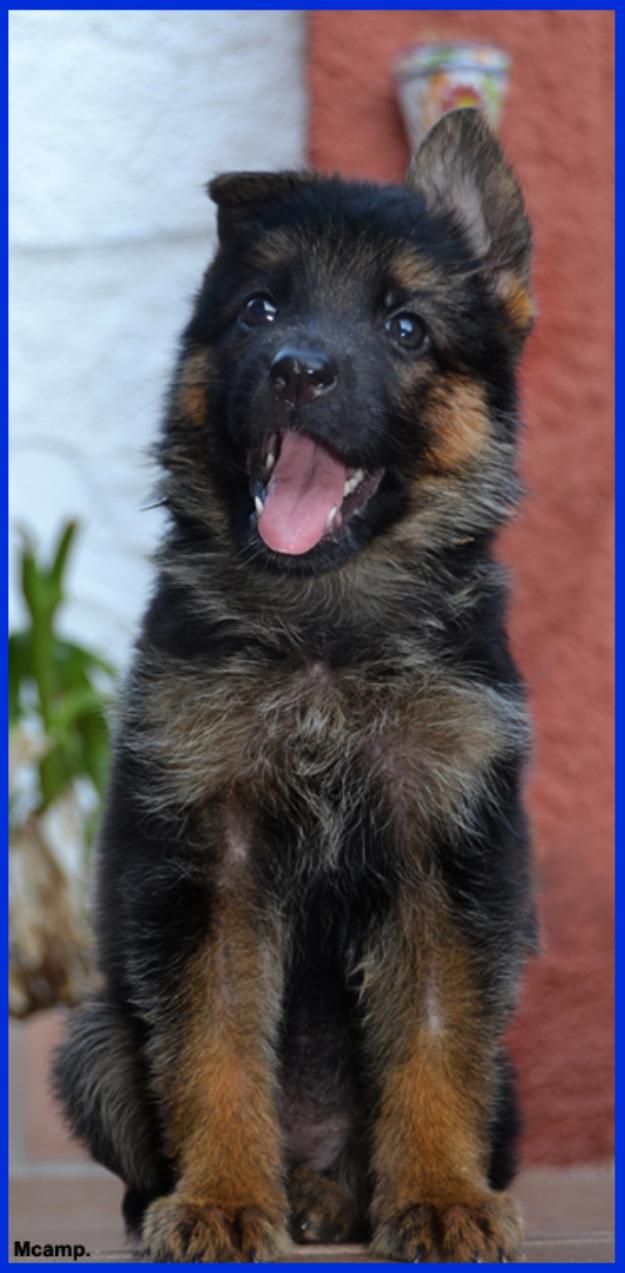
pixel 349 370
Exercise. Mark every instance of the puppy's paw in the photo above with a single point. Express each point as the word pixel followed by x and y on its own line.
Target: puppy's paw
pixel 488 1230
pixel 491 1231
pixel 181 1230
pixel 320 1210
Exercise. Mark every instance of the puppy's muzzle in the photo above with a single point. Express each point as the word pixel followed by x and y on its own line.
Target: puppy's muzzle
pixel 300 376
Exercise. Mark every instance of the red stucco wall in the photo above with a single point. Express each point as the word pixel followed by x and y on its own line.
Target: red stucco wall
pixel 557 132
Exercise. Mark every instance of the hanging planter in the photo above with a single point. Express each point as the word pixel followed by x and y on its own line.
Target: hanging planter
pixel 432 79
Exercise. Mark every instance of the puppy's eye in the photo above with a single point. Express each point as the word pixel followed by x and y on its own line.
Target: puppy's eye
pixel 406 330
pixel 258 310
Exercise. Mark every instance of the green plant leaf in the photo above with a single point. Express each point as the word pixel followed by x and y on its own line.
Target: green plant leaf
pixel 77 702
pixel 59 560
pixel 54 775
pixel 20 671
pixel 96 748
pixel 69 651
pixel 30 579
pixel 67 684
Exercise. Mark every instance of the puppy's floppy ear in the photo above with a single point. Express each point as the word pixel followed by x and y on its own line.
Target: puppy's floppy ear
pixel 236 193
pixel 460 170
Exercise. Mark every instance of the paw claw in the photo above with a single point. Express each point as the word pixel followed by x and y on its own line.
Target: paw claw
pixel 481 1230
pixel 179 1231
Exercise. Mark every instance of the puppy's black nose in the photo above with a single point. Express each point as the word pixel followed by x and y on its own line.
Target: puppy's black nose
pixel 300 376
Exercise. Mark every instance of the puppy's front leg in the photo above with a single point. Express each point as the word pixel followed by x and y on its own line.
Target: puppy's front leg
pixel 213 1065
pixel 433 1046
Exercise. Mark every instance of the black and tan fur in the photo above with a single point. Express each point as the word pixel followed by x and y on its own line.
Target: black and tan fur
pixel 314 892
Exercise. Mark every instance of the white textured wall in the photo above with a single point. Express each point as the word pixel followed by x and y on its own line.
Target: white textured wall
pixel 117 121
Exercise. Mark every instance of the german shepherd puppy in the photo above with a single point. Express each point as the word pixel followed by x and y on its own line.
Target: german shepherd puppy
pixel 314 892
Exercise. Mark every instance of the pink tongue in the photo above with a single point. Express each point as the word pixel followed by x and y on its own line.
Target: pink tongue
pixel 306 483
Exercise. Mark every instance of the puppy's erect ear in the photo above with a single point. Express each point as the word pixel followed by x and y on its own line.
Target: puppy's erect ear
pixel 460 170
pixel 236 193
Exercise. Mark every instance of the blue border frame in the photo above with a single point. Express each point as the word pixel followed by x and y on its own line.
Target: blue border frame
pixel 620 347
pixel 619 1187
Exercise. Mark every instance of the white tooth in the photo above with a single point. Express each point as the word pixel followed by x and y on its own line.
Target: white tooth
pixel 259 505
pixel 330 518
pixel 353 481
pixel 270 461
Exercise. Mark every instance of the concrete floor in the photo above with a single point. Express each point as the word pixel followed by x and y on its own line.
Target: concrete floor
pixel 569 1215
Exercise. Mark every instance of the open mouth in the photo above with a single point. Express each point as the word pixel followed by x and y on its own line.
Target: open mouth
pixel 304 492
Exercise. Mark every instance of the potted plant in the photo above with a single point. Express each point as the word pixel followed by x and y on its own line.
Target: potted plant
pixel 58 753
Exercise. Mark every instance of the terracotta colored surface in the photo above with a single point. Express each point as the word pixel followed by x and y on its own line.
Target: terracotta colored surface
pixel 557 131
pixel 38 1134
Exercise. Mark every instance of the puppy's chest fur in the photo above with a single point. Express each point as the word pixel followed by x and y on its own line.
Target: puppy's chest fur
pixel 324 744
